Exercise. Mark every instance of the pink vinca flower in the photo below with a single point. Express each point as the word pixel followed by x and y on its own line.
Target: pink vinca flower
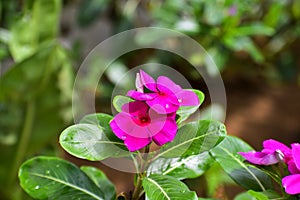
pixel 272 153
pixel 164 92
pixel 138 125
pixel 291 183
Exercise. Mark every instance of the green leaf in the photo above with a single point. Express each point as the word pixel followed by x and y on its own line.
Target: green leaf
pixel 215 178
pixel 246 175
pixel 99 119
pixel 265 195
pixel 253 195
pixel 296 9
pixel 252 29
pixel 89 10
pixel 244 44
pixel 34 28
pixel 244 196
pixel 88 141
pixel 194 138
pixel 162 187
pixel 50 104
pixel 102 120
pixel 182 168
pixel 185 111
pixel 34 73
pixel 119 101
pixel 54 178
pixel 100 179
pixel 274 14
pixel 5 36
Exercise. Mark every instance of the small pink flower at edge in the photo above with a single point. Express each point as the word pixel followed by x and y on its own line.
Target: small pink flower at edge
pixel 291 183
pixel 138 125
pixel 272 153
pixel 164 92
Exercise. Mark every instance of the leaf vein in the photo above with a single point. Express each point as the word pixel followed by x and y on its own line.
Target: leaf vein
pixel 68 184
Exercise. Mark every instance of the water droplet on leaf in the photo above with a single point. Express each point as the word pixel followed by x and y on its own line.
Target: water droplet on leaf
pixel 37 187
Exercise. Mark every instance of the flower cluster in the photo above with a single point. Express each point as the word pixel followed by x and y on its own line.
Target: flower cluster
pixel 275 152
pixel 151 116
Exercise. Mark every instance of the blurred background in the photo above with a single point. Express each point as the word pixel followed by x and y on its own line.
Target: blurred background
pixel 254 43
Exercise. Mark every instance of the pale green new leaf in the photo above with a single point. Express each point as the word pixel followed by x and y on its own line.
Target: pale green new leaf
pixel 185 111
pixel 119 101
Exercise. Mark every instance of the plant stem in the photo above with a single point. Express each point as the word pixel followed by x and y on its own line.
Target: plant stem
pixel 139 186
pixel 24 139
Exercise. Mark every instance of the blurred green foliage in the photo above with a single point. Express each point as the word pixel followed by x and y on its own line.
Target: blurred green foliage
pixel 35 90
pixel 252 38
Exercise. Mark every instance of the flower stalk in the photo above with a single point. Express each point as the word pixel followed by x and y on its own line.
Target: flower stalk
pixel 144 165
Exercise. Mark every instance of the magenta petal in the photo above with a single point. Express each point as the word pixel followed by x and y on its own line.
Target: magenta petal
pixel 117 131
pixel 187 98
pixel 293 168
pixel 140 96
pixel 148 81
pixel 157 122
pixel 292 184
pixel 162 105
pixel 140 132
pixel 167 134
pixel 124 122
pixel 296 154
pixel 165 84
pixel 134 144
pixel 135 108
pixel 275 145
pixel 260 158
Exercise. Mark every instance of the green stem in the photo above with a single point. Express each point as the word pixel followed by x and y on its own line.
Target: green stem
pixel 24 140
pixel 139 186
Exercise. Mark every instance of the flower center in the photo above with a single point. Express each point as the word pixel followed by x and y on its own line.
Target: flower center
pixel 142 120
pixel 161 93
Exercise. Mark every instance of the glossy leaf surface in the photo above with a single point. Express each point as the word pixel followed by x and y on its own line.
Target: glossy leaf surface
pixel 182 168
pixel 54 178
pixel 88 141
pixel 194 138
pixel 100 179
pixel 162 187
pixel 246 175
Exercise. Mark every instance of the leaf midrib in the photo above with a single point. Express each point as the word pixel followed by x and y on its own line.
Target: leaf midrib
pixel 245 167
pixel 68 184
pixel 100 142
pixel 159 187
pixel 183 143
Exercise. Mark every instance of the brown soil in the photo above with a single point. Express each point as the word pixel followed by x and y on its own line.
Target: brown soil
pixel 256 113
